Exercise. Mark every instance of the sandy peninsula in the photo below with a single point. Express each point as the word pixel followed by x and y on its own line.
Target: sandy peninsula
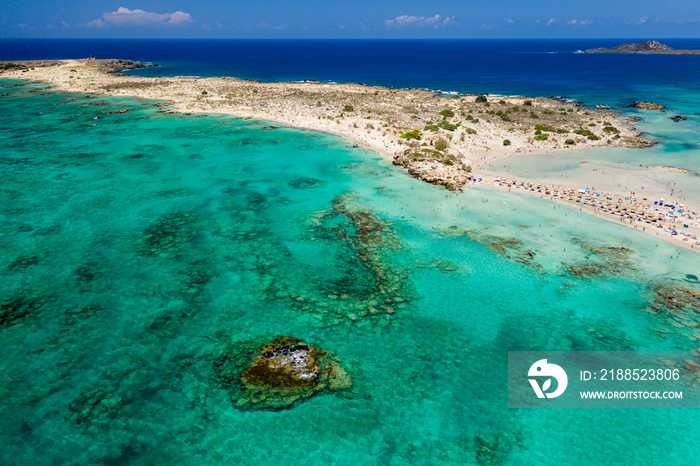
pixel 450 140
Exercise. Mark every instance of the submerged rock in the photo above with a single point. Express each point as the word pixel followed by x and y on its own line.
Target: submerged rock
pixel 169 233
pixel 278 374
pixel 304 182
pixel 678 118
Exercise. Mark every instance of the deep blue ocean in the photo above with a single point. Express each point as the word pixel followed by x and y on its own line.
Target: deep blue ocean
pixel 140 248
pixel 511 67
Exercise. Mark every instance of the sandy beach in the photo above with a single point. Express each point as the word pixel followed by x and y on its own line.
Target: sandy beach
pixel 453 140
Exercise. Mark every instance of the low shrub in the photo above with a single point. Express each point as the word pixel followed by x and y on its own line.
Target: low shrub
pixel 611 129
pixel 415 134
pixel 447 113
pixel 539 127
pixel 348 108
pixel 441 144
pixel 570 142
pixel 584 132
pixel 444 124
pixel 541 137
pixel 506 142
pixel 481 99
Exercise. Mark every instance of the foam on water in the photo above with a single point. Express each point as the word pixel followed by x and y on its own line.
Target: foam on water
pixel 134 252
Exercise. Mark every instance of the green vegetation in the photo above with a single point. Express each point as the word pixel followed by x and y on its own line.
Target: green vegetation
pixel 469 117
pixel 9 65
pixel 204 93
pixel 502 102
pixel 431 128
pixel 444 124
pixel 441 144
pixel 415 134
pixel 505 117
pixel 506 142
pixel 534 115
pixel 348 108
pixel 562 131
pixel 539 127
pixel 475 120
pixel 447 113
pixel 611 129
pixel 541 137
pixel 469 130
pixel 570 142
pixel 528 103
pixel 448 162
pixel 548 112
pixel 584 132
pixel 481 99
pixel 468 169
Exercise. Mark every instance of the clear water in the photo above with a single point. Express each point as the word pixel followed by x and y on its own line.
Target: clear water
pixel 109 335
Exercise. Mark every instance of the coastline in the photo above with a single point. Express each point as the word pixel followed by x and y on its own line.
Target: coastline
pixel 377 118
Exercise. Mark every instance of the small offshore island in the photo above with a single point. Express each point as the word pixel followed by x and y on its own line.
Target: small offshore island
pixel 444 139
pixel 644 47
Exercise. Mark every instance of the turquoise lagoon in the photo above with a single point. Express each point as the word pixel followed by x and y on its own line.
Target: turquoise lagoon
pixel 137 247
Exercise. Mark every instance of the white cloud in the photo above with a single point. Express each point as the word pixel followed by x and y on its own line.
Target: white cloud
pixel 277 27
pixel 583 22
pixel 573 21
pixel 550 22
pixel 511 21
pixel 126 17
pixel 97 23
pixel 404 20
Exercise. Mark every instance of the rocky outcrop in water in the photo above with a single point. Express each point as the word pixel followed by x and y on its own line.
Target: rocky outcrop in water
pixel 678 118
pixel 278 374
pixel 647 106
pixel 115 66
pixel 644 47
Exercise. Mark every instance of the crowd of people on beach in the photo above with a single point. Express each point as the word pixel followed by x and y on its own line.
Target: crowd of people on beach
pixel 670 218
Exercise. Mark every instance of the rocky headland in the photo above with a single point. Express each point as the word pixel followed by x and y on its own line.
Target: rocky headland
pixel 644 47
pixel 446 139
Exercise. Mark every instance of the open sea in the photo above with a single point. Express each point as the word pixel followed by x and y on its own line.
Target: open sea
pixel 137 248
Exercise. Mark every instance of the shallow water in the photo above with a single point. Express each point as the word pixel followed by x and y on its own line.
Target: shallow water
pixel 136 251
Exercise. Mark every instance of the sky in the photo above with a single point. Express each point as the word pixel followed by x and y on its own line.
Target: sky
pixel 350 19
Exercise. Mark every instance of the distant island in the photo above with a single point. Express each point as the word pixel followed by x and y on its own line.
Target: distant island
pixel 647 46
